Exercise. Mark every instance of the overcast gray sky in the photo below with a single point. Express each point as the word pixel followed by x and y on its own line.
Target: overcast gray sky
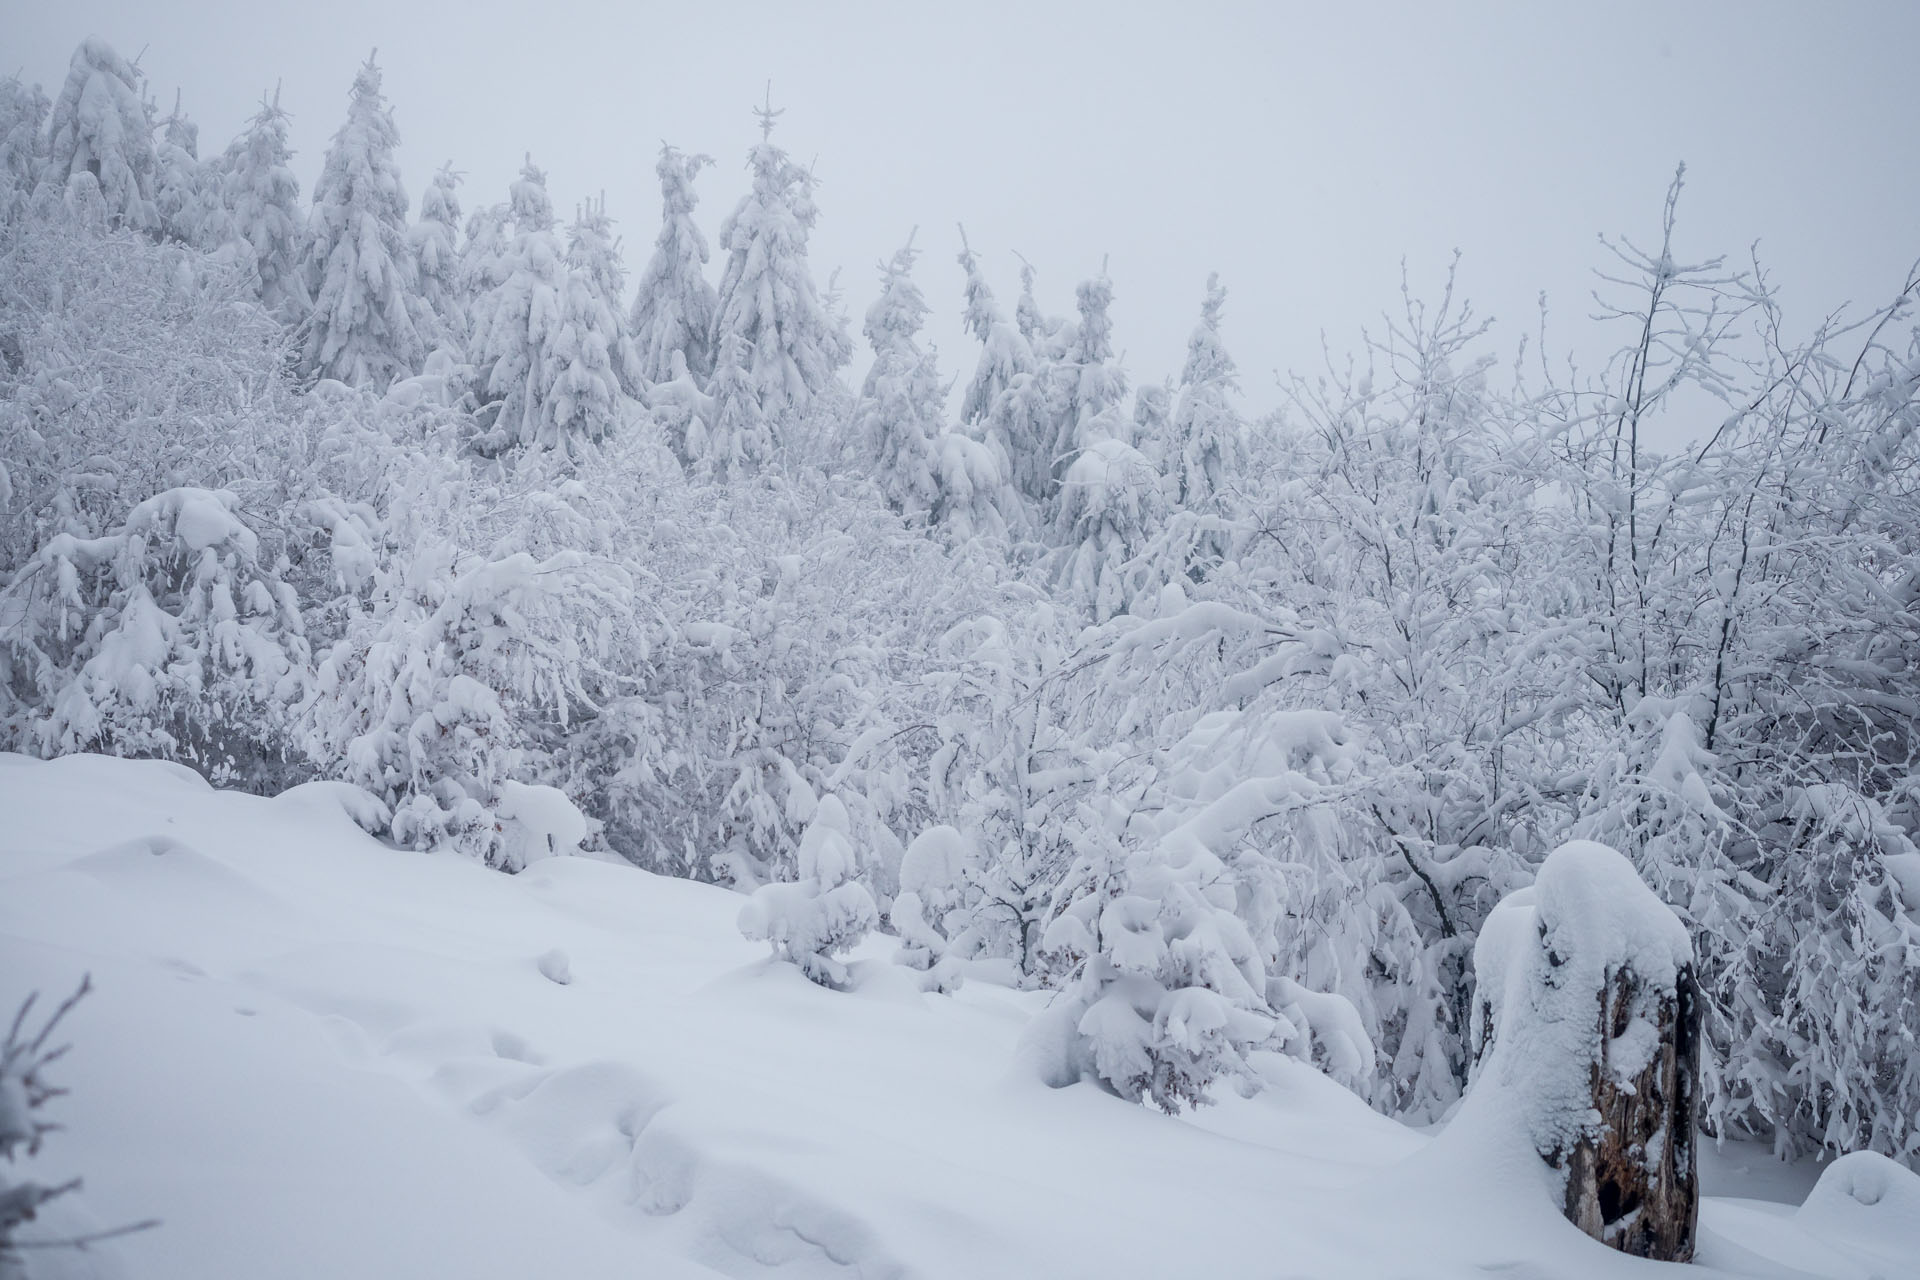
pixel 1300 150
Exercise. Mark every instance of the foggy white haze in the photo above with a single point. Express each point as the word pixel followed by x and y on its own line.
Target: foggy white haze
pixel 1300 150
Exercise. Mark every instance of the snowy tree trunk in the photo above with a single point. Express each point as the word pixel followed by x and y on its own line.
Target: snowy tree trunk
pixel 1587 1047
pixel 1631 1178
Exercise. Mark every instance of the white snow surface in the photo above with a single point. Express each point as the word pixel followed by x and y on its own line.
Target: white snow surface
pixel 313 1056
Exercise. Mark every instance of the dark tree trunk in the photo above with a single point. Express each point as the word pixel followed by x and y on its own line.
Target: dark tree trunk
pixel 1631 1180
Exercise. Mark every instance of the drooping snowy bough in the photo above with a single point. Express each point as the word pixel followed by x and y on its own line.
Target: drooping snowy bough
pixel 1586 1032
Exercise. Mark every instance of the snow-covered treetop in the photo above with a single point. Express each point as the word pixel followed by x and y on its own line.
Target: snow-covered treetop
pixel 594 250
pixel 1207 359
pixel 527 198
pixel 440 202
pixel 897 314
pixel 178 130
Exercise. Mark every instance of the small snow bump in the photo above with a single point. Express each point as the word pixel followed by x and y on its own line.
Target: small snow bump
pixel 555 967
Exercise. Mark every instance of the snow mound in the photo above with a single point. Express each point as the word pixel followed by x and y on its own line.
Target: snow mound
pixel 1866 1202
pixel 538 822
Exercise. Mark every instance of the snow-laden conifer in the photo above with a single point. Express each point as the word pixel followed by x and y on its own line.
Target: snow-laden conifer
pixel 187 192
pixel 1209 439
pixel 263 200
pixel 674 304
pixel 1206 441
pixel 358 265
pixel 898 416
pixel 590 359
pixel 517 322
pixel 100 140
pixel 1006 402
pixel 433 241
pixel 786 343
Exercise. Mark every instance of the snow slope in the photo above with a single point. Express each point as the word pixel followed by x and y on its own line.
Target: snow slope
pixel 313 1057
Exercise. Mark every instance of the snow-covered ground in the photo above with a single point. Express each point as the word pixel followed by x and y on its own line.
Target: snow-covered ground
pixel 313 1056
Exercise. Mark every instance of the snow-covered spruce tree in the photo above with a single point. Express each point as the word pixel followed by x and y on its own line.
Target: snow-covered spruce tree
pixel 188 193
pixel 674 304
pixel 100 141
pixel 517 322
pixel 433 241
pixel 23 145
pixel 169 636
pixel 898 416
pixel 775 340
pixel 263 200
pixel 483 265
pixel 1006 403
pixel 1084 385
pixel 357 264
pixel 590 359
pixel 1206 447
pixel 824 911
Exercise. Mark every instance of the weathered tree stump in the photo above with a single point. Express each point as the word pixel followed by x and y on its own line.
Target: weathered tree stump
pixel 1587 1038
pixel 1631 1178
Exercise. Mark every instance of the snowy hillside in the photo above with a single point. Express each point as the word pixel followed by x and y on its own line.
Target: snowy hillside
pixel 314 1056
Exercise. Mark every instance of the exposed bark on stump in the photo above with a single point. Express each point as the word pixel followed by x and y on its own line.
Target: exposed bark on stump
pixel 1632 1181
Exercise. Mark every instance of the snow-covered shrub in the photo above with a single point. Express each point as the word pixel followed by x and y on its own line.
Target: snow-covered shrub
pixel 1111 504
pixel 24 1092
pixel 169 636
pixel 462 672
pixel 1171 993
pixel 789 623
pixel 824 911
pixel 939 883
pixel 1829 976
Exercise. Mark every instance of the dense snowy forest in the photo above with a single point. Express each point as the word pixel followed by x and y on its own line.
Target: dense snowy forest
pixel 1230 732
